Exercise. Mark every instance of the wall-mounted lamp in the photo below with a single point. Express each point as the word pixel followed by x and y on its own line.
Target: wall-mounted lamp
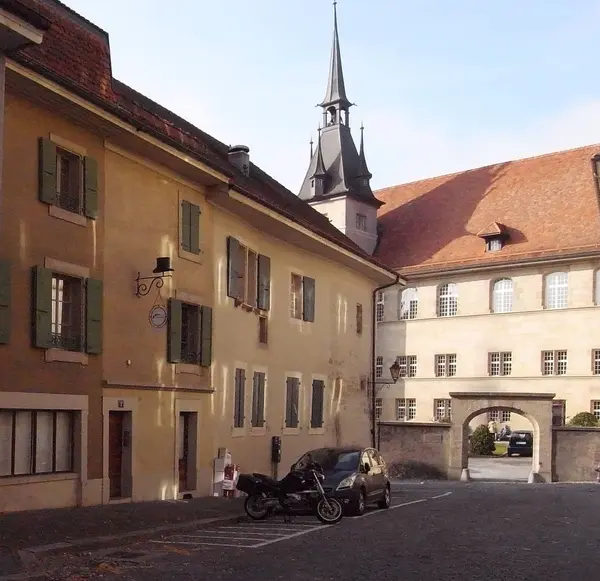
pixel 163 265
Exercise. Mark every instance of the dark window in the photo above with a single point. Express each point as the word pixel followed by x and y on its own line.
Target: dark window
pixel 67 312
pixel 302 298
pixel 263 330
pixel 258 400
pixel 36 442
pixel 292 397
pixel 239 398
pixel 69 181
pixel 359 319
pixel 190 336
pixel 558 412
pixel 317 403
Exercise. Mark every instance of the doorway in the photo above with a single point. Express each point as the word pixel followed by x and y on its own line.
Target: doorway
pixel 119 454
pixel 187 439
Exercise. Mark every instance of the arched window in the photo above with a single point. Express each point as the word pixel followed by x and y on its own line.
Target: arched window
pixel 409 304
pixel 502 296
pixel 556 291
pixel 447 300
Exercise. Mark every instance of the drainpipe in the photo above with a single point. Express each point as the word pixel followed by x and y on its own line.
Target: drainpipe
pixel 373 356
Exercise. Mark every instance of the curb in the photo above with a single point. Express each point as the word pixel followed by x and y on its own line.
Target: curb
pixel 30 556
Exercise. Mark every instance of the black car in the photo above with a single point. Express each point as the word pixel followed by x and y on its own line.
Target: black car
pixel 520 443
pixel 355 476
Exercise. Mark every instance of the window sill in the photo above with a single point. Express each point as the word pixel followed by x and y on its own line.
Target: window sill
pixel 192 257
pixel 316 431
pixel 188 368
pixel 291 431
pixel 67 216
pixel 34 478
pixel 238 432
pixel 258 431
pixel 65 356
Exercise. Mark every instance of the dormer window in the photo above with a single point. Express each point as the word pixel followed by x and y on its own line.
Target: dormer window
pixel 495 236
pixel 493 244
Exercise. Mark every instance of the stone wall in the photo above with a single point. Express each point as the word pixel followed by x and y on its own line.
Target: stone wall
pixel 575 454
pixel 415 450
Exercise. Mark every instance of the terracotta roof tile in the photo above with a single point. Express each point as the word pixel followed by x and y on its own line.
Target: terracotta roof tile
pixel 547 204
pixel 76 54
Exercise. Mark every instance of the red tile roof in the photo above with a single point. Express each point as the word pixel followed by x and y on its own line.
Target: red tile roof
pixel 549 206
pixel 76 54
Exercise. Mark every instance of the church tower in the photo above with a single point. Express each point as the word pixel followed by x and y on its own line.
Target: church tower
pixel 338 181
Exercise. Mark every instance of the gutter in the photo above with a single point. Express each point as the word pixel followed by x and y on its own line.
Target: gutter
pixel 373 356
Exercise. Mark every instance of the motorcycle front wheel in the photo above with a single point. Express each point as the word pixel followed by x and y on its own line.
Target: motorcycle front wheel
pixel 255 507
pixel 329 511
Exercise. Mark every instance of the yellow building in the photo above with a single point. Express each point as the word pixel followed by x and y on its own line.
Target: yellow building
pixel 257 321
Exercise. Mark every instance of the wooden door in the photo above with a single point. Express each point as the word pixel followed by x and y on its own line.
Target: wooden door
pixel 115 453
pixel 184 447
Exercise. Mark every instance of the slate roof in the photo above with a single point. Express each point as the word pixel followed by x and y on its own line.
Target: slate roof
pixel 548 205
pixel 76 54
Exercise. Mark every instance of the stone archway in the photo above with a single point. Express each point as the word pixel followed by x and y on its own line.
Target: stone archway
pixel 536 407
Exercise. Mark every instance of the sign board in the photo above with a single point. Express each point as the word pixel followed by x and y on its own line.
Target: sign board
pixel 158 316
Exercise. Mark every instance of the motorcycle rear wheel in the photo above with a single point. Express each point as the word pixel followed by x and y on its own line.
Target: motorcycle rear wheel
pixel 329 511
pixel 255 508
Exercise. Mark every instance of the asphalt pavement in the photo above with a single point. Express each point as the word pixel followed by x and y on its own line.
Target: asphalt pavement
pixel 447 531
pixel 500 468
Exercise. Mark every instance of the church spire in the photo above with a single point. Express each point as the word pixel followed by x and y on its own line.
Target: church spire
pixel 336 89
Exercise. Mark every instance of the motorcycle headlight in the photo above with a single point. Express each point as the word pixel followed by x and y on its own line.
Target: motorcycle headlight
pixel 347 482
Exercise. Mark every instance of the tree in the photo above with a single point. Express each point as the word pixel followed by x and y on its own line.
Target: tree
pixel 482 442
pixel 584 420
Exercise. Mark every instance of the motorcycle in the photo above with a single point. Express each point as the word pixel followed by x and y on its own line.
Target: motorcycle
pixel 297 491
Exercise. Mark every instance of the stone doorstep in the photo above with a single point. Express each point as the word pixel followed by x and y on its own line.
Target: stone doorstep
pixel 29 557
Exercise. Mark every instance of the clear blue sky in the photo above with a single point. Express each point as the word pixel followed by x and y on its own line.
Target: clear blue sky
pixel 441 86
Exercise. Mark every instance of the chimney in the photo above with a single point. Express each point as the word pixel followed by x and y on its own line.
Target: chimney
pixel 239 155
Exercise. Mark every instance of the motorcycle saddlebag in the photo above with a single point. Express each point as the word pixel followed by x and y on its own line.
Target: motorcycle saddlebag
pixel 247 483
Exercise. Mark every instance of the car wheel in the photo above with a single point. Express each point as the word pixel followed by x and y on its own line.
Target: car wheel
pixel 386 501
pixel 360 505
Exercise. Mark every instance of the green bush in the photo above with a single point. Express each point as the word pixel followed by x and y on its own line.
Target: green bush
pixel 482 442
pixel 584 420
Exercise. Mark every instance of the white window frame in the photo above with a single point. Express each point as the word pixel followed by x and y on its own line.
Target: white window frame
pixel 499 363
pixel 595 361
pixel 554 362
pixel 361 222
pixel 442 408
pixel 502 295
pixel 379 366
pixel 406 409
pixel 380 307
pixel 556 290
pixel 595 408
pixel 378 407
pixel 408 365
pixel 445 365
pixel 447 300
pixel 408 304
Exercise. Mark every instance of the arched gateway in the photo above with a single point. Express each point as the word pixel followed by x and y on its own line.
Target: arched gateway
pixel 536 407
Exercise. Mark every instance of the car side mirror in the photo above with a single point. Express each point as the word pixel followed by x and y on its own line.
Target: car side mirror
pixel 292 467
pixel 367 467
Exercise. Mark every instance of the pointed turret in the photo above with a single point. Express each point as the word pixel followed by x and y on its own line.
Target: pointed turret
pixel 336 89
pixel 363 173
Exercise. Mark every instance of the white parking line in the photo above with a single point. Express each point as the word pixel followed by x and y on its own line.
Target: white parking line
pixel 257 534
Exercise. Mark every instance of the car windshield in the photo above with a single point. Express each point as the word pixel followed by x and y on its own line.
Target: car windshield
pixel 333 460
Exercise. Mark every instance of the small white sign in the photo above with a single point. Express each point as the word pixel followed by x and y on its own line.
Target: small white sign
pixel 158 316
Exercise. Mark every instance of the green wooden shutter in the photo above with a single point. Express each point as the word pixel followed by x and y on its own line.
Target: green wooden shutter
pixel 186 233
pixel 308 298
pixel 261 400
pixel 90 168
pixel 174 331
pixel 5 296
pixel 233 268
pixel 42 307
pixel 93 316
pixel 316 417
pixel 295 401
pixel 194 229
pixel 205 336
pixel 47 188
pixel 264 282
pixel 255 380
